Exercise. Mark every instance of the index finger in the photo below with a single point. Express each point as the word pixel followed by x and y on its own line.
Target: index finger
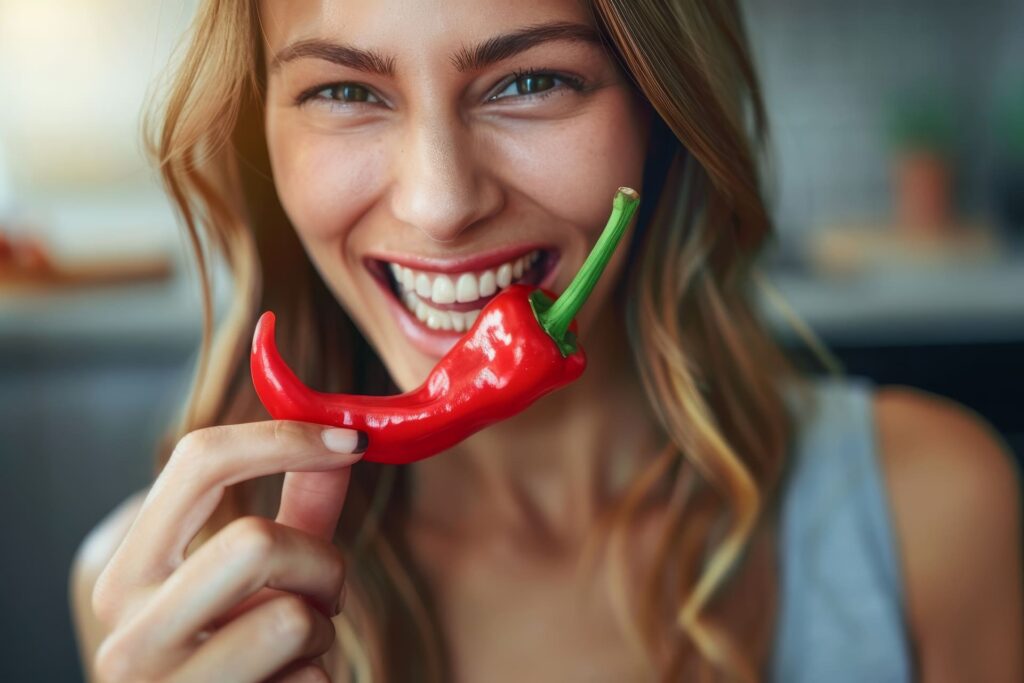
pixel 192 484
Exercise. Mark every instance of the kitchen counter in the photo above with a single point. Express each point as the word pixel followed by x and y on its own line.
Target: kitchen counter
pixel 971 304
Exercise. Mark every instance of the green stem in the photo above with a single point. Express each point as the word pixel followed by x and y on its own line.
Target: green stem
pixel 556 317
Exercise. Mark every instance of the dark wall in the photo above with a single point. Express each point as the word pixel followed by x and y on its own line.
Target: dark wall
pixel 986 377
pixel 76 437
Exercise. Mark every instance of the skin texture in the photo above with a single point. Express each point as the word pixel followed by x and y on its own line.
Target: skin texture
pixel 439 171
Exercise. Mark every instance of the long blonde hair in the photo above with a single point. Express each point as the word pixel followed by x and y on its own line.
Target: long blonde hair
pixel 712 375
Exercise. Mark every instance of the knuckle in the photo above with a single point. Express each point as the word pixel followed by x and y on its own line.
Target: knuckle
pixel 191 445
pixel 292 621
pixel 106 663
pixel 112 598
pixel 191 453
pixel 106 604
pixel 253 537
pixel 289 434
pixel 113 662
pixel 337 568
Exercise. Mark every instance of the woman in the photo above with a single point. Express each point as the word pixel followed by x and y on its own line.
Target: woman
pixel 648 522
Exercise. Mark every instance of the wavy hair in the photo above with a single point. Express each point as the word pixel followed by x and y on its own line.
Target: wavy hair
pixel 713 377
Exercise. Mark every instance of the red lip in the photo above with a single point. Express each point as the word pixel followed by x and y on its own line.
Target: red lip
pixel 490 259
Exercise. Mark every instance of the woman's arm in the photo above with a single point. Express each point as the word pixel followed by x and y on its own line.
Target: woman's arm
pixel 955 496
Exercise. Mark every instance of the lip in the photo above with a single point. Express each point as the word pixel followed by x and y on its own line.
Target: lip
pixel 437 343
pixel 462 264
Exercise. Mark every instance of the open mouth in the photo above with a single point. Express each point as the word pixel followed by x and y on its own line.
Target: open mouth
pixel 451 302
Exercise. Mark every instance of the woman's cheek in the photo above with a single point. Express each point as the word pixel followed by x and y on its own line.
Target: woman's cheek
pixel 573 167
pixel 549 163
pixel 326 182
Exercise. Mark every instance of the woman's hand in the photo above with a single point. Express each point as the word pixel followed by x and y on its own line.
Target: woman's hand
pixel 256 599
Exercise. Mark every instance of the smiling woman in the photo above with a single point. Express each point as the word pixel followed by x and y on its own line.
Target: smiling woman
pixel 375 171
pixel 429 163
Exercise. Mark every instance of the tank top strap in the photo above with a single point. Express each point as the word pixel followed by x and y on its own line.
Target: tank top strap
pixel 841 607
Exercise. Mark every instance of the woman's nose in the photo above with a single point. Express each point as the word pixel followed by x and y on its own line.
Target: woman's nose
pixel 441 185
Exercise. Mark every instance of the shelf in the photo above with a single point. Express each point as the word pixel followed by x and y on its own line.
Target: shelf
pixel 970 304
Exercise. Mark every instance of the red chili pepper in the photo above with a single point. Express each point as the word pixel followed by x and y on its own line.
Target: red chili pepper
pixel 521 347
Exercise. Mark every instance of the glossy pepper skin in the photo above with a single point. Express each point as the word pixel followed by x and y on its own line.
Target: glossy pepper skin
pixel 521 347
pixel 497 369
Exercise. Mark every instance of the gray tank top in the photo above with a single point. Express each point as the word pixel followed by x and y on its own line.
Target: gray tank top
pixel 841 609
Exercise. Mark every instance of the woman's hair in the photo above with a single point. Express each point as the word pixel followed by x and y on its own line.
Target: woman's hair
pixel 713 377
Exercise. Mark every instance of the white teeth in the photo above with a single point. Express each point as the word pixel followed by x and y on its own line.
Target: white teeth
pixel 443 291
pixel 504 277
pixel 487 284
pixel 440 320
pixel 423 287
pixel 466 289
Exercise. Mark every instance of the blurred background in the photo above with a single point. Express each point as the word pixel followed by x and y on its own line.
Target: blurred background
pixel 897 185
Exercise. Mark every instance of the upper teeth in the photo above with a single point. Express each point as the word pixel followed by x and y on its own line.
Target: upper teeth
pixel 440 288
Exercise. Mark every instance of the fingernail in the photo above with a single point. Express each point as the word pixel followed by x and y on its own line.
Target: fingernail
pixel 345 440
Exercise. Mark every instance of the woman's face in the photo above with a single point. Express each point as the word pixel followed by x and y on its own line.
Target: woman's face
pixel 428 152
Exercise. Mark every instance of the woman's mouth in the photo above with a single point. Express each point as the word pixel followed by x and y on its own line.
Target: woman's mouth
pixel 443 305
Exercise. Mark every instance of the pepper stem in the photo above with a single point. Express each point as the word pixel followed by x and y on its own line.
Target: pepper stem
pixel 556 317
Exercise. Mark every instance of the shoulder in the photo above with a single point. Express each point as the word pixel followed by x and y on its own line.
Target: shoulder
pixel 92 555
pixel 955 498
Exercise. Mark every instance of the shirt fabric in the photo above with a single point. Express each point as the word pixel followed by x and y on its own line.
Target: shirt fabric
pixel 841 608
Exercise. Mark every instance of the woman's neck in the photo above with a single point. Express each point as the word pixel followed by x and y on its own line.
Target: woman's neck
pixel 552 468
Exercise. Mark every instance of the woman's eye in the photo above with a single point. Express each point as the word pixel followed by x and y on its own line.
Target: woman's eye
pixel 535 84
pixel 538 84
pixel 346 93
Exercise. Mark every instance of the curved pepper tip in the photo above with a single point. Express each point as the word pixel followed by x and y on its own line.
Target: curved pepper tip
pixel 264 329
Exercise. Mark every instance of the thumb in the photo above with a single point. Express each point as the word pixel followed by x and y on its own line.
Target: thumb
pixel 312 501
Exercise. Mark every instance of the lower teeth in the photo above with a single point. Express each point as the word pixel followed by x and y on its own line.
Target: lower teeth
pixel 439 320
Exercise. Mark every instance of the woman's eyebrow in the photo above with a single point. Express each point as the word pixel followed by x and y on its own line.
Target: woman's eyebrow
pixel 466 59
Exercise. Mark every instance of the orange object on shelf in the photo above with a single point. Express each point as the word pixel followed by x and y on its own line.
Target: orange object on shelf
pixel 850 249
pixel 922 183
pixel 27 266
